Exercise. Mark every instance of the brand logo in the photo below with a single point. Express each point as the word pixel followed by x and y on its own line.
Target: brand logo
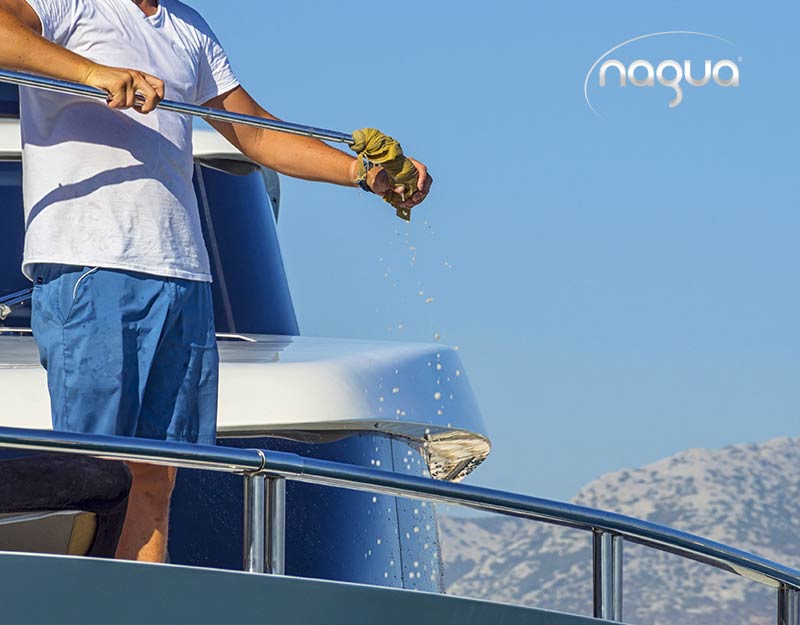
pixel 667 73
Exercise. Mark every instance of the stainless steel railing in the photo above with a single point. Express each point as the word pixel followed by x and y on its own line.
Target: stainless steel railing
pixel 265 474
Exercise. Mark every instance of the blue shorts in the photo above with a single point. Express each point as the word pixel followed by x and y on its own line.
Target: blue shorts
pixel 126 353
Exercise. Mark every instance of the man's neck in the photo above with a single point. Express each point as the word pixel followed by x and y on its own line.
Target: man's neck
pixel 148 7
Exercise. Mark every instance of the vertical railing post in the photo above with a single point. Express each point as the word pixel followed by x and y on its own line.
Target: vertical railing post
pixel 264 539
pixel 616 578
pixel 255 523
pixel 607 575
pixel 276 525
pixel 788 606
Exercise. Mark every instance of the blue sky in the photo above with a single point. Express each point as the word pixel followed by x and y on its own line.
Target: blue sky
pixel 621 287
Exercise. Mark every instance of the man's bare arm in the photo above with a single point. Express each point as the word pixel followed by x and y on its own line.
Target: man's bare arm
pixel 297 156
pixel 22 48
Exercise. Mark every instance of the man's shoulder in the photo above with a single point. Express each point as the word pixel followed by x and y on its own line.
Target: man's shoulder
pixel 187 14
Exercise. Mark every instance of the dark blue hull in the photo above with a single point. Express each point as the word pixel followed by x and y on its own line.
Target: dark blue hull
pixel 332 534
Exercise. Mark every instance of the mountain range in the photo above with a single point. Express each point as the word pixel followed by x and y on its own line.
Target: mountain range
pixel 747 496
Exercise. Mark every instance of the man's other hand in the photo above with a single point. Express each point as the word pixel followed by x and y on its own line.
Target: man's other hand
pixel 378 181
pixel 123 86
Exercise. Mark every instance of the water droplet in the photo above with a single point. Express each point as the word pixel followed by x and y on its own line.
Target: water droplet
pixel 396 390
pixel 437 395
pixel 374 500
pixel 429 300
pixel 458 372
pixel 438 366
pixel 437 336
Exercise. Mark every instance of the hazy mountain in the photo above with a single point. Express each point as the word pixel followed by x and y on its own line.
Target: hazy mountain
pixel 744 495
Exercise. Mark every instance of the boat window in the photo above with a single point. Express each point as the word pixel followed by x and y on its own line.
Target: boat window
pixel 11 240
pixel 251 293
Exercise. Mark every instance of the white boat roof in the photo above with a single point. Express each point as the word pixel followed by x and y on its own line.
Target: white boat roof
pixel 312 389
pixel 207 143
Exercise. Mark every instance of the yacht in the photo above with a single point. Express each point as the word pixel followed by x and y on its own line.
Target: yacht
pixel 318 503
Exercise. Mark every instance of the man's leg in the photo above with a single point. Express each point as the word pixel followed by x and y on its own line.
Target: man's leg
pixel 98 331
pixel 144 535
pixel 130 355
pixel 179 404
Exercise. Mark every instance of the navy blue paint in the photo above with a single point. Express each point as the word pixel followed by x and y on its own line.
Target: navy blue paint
pixel 11 239
pixel 331 533
pixel 421 562
pixel 244 227
pixel 9 101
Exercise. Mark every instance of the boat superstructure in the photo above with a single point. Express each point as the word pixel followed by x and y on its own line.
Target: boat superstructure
pixel 403 407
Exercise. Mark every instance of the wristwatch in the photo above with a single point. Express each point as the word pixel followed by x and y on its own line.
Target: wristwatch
pixel 363 167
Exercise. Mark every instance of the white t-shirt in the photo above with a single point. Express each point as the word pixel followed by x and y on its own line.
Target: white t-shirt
pixel 114 188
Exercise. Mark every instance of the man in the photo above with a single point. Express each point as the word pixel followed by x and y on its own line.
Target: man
pixel 122 308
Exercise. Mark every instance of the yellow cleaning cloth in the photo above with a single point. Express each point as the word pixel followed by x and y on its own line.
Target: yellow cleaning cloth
pixel 381 149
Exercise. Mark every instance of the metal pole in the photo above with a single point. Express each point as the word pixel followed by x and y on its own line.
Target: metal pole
pixel 276 525
pixel 602 573
pixel 616 586
pixel 788 606
pixel 264 541
pixel 255 523
pixel 607 576
pixel 8 302
pixel 62 86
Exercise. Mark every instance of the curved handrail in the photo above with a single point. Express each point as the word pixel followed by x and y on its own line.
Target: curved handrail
pixel 554 512
pixel 255 462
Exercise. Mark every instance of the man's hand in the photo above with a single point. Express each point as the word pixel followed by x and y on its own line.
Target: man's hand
pixel 123 86
pixel 378 181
